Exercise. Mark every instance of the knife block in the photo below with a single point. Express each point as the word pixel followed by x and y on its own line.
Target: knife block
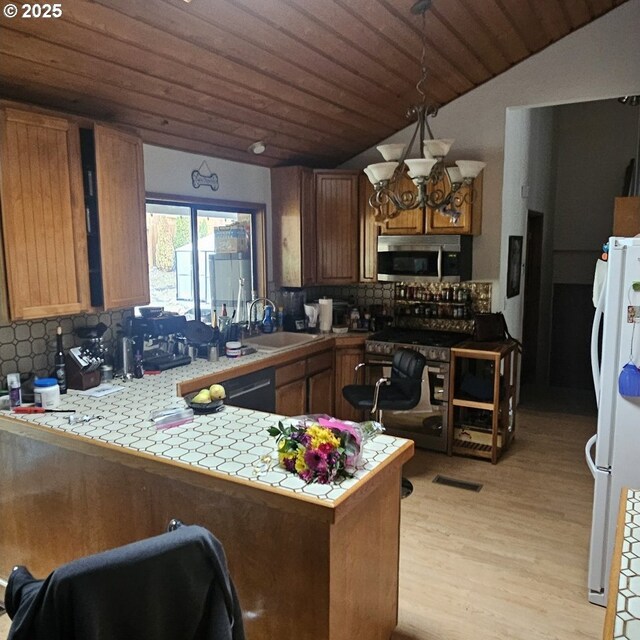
pixel 78 379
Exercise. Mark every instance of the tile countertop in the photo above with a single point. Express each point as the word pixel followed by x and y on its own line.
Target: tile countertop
pixel 623 611
pixel 232 442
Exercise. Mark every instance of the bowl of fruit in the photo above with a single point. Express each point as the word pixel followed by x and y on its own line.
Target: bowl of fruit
pixel 207 400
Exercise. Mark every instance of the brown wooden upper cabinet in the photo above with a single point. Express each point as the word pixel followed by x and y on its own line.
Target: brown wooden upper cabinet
pixel 409 222
pixel 470 220
pixel 122 220
pixel 43 226
pixel 337 226
pixel 315 226
pixel 413 222
pixel 369 232
pixel 293 226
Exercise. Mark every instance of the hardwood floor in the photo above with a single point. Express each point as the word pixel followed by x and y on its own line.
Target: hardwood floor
pixel 509 562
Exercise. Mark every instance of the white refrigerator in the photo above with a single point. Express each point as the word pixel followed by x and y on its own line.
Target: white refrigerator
pixel 613 454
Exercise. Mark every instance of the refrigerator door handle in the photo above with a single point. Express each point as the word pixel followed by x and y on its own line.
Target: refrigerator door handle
pixel 595 333
pixel 587 454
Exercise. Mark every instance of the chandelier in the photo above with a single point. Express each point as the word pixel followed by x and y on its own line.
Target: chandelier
pixel 435 185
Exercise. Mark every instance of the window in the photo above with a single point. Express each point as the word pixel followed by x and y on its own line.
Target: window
pixel 199 255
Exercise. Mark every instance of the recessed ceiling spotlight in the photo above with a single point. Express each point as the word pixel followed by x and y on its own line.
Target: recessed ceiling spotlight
pixel 258 147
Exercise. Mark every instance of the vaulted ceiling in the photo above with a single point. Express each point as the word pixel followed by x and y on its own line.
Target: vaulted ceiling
pixel 317 80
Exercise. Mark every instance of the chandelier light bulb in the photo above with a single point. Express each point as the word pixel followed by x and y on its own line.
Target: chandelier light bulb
pixel 470 168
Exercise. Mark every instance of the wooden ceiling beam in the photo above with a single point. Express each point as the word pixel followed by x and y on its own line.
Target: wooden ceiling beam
pixel 250 64
pixel 142 110
pixel 228 117
pixel 577 12
pixel 491 17
pixel 314 50
pixel 526 23
pixel 182 59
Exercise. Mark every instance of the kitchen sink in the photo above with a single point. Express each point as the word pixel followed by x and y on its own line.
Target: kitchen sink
pixel 280 340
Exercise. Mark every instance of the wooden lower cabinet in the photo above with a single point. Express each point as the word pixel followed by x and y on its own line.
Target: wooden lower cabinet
pixel 306 386
pixel 321 392
pixel 291 399
pixel 346 361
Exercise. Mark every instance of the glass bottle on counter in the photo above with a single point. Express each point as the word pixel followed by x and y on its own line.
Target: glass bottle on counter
pixel 60 366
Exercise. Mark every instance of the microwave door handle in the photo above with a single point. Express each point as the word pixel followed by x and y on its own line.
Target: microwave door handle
pixel 440 264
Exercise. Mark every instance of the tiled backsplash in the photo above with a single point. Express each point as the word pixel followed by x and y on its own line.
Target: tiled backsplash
pixel 361 295
pixel 30 346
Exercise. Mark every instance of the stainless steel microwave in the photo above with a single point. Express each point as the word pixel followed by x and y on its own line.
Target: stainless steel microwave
pixel 424 258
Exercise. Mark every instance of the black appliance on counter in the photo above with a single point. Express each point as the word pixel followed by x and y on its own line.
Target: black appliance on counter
pixel 427 424
pixel 424 258
pixel 166 332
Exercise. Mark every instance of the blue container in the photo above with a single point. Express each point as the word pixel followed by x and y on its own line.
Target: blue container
pixel 629 381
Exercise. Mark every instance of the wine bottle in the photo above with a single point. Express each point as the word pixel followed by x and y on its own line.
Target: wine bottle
pixel 60 367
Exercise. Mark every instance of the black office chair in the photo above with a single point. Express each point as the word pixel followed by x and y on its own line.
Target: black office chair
pixel 169 587
pixel 400 392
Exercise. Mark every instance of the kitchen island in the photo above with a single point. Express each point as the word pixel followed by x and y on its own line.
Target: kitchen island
pixel 309 561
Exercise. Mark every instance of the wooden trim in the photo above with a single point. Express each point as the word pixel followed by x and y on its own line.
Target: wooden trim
pixel 616 564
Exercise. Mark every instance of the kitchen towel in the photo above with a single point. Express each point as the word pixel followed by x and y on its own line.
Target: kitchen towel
pixel 325 315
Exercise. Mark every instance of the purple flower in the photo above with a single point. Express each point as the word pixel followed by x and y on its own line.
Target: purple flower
pixel 316 461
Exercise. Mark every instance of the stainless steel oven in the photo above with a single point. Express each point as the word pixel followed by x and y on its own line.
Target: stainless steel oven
pixel 426 424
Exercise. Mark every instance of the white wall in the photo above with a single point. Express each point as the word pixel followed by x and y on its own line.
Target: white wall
pixel 529 171
pixel 599 61
pixel 168 171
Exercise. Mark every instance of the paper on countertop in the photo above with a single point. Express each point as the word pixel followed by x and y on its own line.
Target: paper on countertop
pixel 101 390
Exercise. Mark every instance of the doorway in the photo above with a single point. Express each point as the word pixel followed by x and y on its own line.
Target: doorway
pixel 531 308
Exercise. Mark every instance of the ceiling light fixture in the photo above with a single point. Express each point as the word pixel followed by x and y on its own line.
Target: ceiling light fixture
pixel 258 147
pixel 436 186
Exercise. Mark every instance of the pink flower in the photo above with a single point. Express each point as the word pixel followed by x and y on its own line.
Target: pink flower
pixel 316 460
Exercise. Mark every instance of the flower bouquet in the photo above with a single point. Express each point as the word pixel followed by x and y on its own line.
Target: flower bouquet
pixel 321 449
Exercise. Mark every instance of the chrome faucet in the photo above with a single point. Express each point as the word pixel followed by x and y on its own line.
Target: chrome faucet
pixel 250 324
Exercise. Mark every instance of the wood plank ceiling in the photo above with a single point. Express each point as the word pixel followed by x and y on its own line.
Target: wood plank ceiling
pixel 317 80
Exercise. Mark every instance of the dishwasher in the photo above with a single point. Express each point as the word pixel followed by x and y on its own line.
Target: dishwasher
pixel 253 391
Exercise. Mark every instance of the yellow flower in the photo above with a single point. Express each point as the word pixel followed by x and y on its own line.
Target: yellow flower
pixel 321 435
pixel 284 455
pixel 301 465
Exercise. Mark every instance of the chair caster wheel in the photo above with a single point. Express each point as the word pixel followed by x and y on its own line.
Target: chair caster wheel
pixel 406 488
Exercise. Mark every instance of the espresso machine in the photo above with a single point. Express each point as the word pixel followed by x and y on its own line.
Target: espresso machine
pixel 160 340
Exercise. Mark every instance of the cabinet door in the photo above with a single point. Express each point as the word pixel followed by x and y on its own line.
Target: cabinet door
pixel 470 220
pixel 337 226
pixel 43 223
pixel 408 222
pixel 346 361
pixel 321 392
pixel 294 226
pixel 121 210
pixel 291 399
pixel 369 231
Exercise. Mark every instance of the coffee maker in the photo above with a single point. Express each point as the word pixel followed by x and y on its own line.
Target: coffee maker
pixel 293 316
pixel 160 340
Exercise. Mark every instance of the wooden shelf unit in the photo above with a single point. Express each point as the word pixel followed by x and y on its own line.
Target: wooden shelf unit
pixel 489 443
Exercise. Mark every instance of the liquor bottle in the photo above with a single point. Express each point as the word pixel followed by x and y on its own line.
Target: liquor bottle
pixel 60 367
pixel 224 310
